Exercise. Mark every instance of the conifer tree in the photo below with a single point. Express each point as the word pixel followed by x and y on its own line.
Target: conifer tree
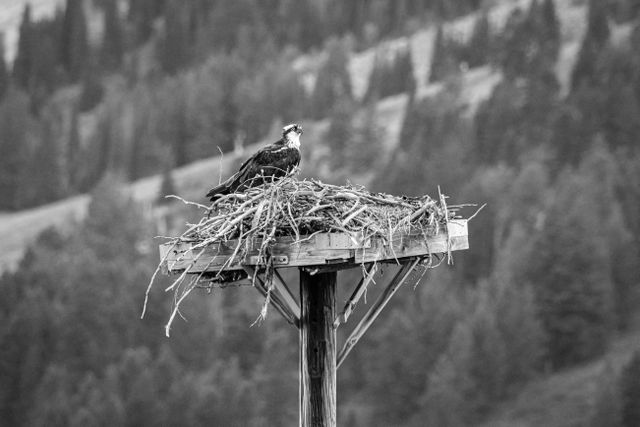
pixel 73 156
pixel 141 14
pixel 333 82
pixel 391 76
pixel 174 50
pixel 45 61
pixel 376 79
pixel 597 36
pixel 74 45
pixel 479 45
pixel 572 268
pixel 112 48
pixel 309 30
pixel 23 62
pixel 92 90
pixel 14 123
pixel 442 64
pixel 363 152
pixel 630 392
pixel 340 133
pixel 550 29
pixel 607 406
pixel 403 71
pixel 4 73
pixel 46 181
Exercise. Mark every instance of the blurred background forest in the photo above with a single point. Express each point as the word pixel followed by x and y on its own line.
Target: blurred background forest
pixel 531 106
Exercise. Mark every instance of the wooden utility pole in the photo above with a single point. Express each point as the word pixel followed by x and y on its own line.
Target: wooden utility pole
pixel 315 317
pixel 317 349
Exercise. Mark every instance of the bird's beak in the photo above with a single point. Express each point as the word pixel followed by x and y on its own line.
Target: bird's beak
pixel 300 130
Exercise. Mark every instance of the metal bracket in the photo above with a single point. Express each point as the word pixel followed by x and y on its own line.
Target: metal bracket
pixel 262 260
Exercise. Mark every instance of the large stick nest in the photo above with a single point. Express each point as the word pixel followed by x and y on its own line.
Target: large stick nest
pixel 300 208
pixel 291 207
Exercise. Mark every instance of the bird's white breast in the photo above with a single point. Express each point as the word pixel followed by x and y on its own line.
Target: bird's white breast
pixel 293 140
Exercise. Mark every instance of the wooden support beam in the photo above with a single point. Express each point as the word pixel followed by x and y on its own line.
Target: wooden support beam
pixel 287 295
pixel 275 299
pixel 360 289
pixel 317 350
pixel 371 315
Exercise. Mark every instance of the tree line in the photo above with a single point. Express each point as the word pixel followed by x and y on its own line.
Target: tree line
pixel 549 281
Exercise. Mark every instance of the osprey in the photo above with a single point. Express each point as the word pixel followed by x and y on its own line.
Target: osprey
pixel 274 161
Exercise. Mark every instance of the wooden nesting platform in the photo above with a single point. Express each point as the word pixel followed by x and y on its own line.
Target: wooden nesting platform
pixel 314 313
pixel 322 251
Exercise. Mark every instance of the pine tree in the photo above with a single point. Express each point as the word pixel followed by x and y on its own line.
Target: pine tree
pixel 142 14
pixel 376 79
pixel 363 152
pixel 617 75
pixel 333 82
pixel 174 50
pixel 391 76
pixel 112 49
pixel 403 71
pixel 606 410
pixel 14 124
pixel 23 62
pixel 45 72
pixel 571 271
pixel 73 156
pixel 74 44
pixel 630 392
pixel 597 36
pixel 443 63
pixel 550 29
pixel 469 377
pixel 46 183
pixel 308 30
pixel 339 135
pixel 4 73
pixel 92 90
pixel 479 45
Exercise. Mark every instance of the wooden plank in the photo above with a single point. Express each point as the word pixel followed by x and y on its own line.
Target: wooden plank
pixel 360 289
pixel 317 350
pixel 322 249
pixel 414 244
pixel 286 294
pixel 276 301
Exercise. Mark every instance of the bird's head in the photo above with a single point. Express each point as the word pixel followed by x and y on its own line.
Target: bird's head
pixel 291 135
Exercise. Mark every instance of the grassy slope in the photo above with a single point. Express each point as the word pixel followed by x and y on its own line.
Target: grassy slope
pixel 19 229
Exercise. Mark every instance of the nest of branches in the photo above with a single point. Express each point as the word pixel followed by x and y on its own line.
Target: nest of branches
pixel 300 209
pixel 291 207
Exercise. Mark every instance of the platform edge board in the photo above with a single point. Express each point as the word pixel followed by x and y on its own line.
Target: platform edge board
pixel 319 250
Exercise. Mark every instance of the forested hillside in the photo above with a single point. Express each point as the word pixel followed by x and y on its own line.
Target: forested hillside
pixel 532 107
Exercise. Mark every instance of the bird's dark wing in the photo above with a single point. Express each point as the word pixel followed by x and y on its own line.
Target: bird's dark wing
pixel 255 164
pixel 274 160
pixel 232 183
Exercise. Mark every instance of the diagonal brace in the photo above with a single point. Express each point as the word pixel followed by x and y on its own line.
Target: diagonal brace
pixel 275 298
pixel 358 292
pixel 371 315
pixel 286 294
